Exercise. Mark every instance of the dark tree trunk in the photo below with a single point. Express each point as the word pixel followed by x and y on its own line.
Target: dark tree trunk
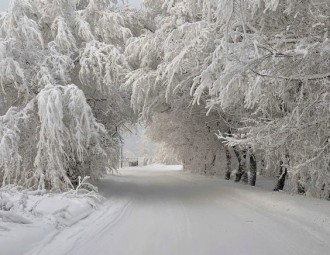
pixel 245 177
pixel 228 170
pixel 279 185
pixel 301 188
pixel 253 170
pixel 262 166
pixel 241 172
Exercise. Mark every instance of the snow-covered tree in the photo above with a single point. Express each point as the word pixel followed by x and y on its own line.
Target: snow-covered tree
pixel 190 138
pixel 274 57
pixel 165 63
pixel 261 68
pixel 61 70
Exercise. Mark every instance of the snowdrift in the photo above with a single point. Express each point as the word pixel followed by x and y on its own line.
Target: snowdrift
pixel 30 215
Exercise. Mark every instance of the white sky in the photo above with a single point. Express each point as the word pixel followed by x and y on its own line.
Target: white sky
pixel 3 5
pixel 135 2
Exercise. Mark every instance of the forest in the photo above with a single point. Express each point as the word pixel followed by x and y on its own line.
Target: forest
pixel 227 87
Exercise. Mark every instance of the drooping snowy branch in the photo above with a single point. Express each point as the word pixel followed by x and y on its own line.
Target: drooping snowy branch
pixel 55 55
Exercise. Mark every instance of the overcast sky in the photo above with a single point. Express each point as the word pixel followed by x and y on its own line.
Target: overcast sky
pixel 4 4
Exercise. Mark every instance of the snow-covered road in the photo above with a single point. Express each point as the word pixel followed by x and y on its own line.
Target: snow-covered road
pixel 174 213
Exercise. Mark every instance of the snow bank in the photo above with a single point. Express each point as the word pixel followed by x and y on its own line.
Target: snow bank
pixel 29 216
pixel 311 213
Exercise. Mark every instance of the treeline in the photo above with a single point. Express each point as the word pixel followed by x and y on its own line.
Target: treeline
pixel 225 86
pixel 242 81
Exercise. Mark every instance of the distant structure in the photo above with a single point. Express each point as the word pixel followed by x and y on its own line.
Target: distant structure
pixel 133 161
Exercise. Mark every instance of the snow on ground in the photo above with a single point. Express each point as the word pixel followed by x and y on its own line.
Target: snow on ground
pixel 159 212
pixel 26 217
pixel 153 167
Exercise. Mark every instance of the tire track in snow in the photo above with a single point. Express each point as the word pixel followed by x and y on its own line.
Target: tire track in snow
pixel 119 215
pixel 97 233
pixel 75 236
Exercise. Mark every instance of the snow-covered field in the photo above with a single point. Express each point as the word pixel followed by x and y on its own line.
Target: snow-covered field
pixel 157 210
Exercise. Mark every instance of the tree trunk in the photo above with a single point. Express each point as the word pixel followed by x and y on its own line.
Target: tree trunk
pixel 262 166
pixel 245 177
pixel 279 185
pixel 253 170
pixel 241 165
pixel 301 188
pixel 228 171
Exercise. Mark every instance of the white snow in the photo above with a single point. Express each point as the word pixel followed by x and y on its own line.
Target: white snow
pixel 172 212
pixel 26 217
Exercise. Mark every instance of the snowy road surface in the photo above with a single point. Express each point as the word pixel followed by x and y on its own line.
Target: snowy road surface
pixel 170 212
